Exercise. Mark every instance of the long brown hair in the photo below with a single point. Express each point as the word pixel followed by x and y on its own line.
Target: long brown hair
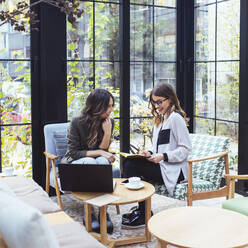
pixel 96 104
pixel 167 91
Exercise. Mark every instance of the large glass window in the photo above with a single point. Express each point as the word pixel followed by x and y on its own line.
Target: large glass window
pixel 217 34
pixel 152 60
pixel 15 103
pixel 93 56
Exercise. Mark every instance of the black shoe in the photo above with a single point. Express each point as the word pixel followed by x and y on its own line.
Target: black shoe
pixel 136 220
pixel 95 225
pixel 110 226
pixel 127 216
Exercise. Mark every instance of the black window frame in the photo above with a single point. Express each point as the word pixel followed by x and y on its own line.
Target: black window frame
pixel 48 76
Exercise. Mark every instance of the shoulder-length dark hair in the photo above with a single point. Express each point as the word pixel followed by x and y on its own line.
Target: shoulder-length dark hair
pixel 167 91
pixel 97 104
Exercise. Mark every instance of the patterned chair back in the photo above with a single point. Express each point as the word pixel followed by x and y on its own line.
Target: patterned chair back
pixel 207 145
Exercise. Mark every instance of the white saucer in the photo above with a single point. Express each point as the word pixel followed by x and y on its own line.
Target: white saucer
pixel 141 185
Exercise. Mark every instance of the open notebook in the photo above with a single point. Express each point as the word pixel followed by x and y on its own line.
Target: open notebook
pixel 130 155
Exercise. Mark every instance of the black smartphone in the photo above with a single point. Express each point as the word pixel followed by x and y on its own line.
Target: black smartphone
pixel 125 181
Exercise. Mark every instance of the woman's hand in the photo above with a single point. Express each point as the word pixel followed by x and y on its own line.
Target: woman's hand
pixel 109 156
pixel 156 158
pixel 145 153
pixel 107 126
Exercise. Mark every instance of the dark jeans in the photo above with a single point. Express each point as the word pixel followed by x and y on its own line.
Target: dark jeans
pixel 145 169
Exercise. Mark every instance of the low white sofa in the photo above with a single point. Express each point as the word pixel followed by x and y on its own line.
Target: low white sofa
pixel 23 206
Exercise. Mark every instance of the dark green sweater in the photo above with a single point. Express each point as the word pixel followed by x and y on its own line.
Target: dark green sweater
pixel 76 140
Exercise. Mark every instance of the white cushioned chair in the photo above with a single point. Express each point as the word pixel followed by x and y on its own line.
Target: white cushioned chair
pixel 55 149
pixel 207 163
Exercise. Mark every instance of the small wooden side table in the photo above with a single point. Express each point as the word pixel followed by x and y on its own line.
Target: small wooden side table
pixel 126 196
pixel 203 227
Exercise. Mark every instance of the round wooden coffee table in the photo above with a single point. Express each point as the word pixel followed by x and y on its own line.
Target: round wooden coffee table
pixel 126 196
pixel 199 227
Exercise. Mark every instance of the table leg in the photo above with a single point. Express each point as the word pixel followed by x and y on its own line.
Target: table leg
pixel 147 217
pixel 87 214
pixel 161 244
pixel 103 225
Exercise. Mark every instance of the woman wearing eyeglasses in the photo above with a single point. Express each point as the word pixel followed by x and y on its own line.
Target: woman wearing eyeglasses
pixel 166 162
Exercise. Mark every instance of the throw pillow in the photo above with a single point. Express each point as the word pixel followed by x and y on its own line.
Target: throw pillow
pixel 60 141
pixel 23 226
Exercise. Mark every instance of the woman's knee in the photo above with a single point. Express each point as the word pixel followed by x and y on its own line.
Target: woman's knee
pixel 102 160
pixel 85 160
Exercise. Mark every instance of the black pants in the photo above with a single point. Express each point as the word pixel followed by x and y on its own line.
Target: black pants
pixel 145 169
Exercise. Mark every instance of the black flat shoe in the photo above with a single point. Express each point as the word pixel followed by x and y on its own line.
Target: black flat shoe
pixel 95 225
pixel 126 216
pixel 110 226
pixel 136 220
pixel 132 211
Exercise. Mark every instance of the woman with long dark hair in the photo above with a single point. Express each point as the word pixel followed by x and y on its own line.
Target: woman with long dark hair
pixel 166 162
pixel 89 137
pixel 89 134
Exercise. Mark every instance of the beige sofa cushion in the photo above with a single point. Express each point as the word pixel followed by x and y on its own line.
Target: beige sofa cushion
pixel 73 235
pixel 23 226
pixel 70 234
pixel 5 188
pixel 31 193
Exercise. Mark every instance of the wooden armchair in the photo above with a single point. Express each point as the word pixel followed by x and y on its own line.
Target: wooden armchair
pixel 207 163
pixel 55 149
pixel 238 204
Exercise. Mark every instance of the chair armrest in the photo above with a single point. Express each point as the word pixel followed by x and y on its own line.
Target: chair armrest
pixel 239 177
pixel 191 161
pixel 190 171
pixel 222 154
pixel 51 156
pixel 231 179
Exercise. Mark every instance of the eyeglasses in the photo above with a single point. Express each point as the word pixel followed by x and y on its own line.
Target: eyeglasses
pixel 159 102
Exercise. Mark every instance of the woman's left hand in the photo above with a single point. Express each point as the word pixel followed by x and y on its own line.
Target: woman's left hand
pixel 107 126
pixel 156 158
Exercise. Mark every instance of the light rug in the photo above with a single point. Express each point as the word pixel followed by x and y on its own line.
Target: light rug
pixel 74 208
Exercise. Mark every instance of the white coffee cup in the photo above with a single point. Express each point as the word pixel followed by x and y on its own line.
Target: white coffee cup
pixel 8 171
pixel 134 181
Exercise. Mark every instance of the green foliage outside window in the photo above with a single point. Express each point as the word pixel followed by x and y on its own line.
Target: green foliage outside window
pixel 15 105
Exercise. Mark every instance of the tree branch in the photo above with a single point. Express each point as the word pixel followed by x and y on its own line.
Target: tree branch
pixel 69 7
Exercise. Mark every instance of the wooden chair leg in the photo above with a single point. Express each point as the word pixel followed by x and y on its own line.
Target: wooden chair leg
pixel 47 174
pixel 56 185
pixel 117 209
pixel 59 197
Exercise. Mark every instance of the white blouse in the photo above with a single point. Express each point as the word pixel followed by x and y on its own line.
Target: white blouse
pixel 172 138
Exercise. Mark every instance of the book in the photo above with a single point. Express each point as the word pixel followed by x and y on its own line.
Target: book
pixel 130 155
